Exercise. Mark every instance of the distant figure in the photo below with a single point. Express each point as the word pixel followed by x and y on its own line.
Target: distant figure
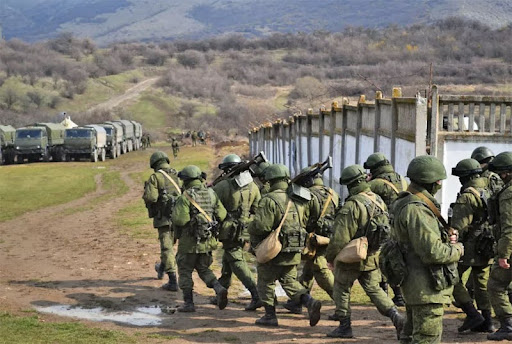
pixel 148 139
pixel 202 137
pixel 194 138
pixel 144 141
pixel 175 147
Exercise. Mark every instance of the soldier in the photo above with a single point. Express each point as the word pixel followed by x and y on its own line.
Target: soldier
pixel 240 196
pixel 484 156
pixel 144 141
pixel 175 147
pixel 386 183
pixel 323 204
pixel 195 218
pixel 500 276
pixel 194 138
pixel 469 217
pixel 363 214
pixel 160 193
pixel 258 171
pixel 430 253
pixel 274 208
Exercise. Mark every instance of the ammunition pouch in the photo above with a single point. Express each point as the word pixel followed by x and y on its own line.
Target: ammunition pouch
pixel 293 240
pixel 485 244
pixel 152 209
pixel 443 275
pixel 324 226
pixel 377 235
pixel 392 262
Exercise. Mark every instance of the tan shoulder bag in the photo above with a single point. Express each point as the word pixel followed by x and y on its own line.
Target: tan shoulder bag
pixel 270 247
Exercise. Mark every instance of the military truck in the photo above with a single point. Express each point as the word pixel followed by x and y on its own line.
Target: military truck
pixel 137 127
pixel 128 134
pixel 114 139
pixel 41 140
pixel 7 152
pixel 120 131
pixel 87 142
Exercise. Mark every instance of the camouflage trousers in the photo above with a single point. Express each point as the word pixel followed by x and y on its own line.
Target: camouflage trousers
pixel 233 262
pixel 499 281
pixel 423 325
pixel 201 262
pixel 479 276
pixel 167 257
pixel 316 269
pixel 269 273
pixel 369 280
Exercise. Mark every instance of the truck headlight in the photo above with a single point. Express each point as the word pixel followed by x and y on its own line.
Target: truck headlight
pixel 17 147
pixel 38 147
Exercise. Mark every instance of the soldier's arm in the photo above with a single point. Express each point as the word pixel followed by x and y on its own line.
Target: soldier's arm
pixel 505 241
pixel 345 227
pixel 264 218
pixel 181 212
pixel 255 192
pixel 314 213
pixel 425 236
pixel 463 210
pixel 220 210
pixel 151 193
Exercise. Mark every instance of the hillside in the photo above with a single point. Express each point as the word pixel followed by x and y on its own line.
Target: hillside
pixel 155 20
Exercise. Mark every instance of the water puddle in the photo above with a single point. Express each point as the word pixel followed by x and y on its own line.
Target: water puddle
pixel 142 316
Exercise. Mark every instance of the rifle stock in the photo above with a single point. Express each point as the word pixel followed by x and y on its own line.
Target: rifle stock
pixel 241 167
pixel 318 168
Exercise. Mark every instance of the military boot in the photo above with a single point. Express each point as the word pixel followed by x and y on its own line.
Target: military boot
pixel 398 321
pixel 487 325
pixel 334 317
pixel 255 300
pixel 313 306
pixel 270 318
pixel 159 268
pixel 504 332
pixel 188 298
pixel 172 285
pixel 342 331
pixel 293 307
pixel 222 295
pixel 398 299
pixel 473 317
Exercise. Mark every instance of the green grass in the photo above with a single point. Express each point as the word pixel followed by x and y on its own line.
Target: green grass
pixel 154 108
pixel 25 188
pixel 30 329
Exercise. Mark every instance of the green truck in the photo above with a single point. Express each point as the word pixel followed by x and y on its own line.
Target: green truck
pixel 114 139
pixel 137 133
pixel 40 141
pixel 87 142
pixel 128 134
pixel 7 152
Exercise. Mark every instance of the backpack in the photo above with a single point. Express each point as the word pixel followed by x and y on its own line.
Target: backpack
pixel 377 229
pixel 202 219
pixel 392 262
pixel 325 221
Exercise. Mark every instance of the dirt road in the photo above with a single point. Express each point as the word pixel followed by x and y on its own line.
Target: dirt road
pixel 74 254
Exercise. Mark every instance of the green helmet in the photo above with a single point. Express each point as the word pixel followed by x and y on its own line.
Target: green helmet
pixel 276 171
pixel 375 160
pixel 156 157
pixel 190 172
pixel 351 174
pixel 466 167
pixel 482 154
pixel 426 169
pixel 259 169
pixel 502 162
pixel 229 161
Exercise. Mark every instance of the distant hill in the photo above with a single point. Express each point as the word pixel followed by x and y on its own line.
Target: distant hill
pixel 154 20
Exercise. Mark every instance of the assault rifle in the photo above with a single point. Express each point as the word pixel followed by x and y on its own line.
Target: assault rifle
pixel 240 167
pixel 305 178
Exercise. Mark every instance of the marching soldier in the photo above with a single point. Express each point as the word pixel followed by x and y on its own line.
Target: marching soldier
pixel 240 196
pixel 175 147
pixel 386 183
pixel 469 217
pixel 431 253
pixel 363 214
pixel 195 218
pixel 276 209
pixel 258 171
pixel 160 193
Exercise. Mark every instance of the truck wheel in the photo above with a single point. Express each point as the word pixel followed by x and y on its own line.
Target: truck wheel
pixel 123 148
pixel 102 155
pixel 94 156
pixel 46 156
pixel 113 152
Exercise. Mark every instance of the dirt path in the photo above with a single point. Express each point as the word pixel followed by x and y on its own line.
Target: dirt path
pixel 74 254
pixel 131 93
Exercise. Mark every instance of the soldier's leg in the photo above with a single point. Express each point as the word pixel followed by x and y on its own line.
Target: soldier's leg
pixel 204 262
pixel 460 293
pixel 241 270
pixel 480 279
pixel 167 256
pixel 226 271
pixel 406 335
pixel 267 276
pixel 186 265
pixel 427 323
pixel 499 280
pixel 306 278
pixel 323 275
pixel 343 281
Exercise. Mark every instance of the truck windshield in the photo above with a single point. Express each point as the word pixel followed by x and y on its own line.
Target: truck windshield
pixel 78 133
pixel 108 130
pixel 28 133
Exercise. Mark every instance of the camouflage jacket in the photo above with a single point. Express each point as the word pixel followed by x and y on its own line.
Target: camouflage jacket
pixel 268 215
pixel 379 184
pixel 351 222
pixel 504 232
pixel 494 182
pixel 418 230
pixel 240 203
pixel 184 212
pixel 156 185
pixel 469 218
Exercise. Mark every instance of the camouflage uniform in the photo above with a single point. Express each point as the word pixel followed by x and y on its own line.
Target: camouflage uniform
pixel 175 147
pixel 427 250
pixel 351 222
pixel 194 138
pixel 239 203
pixel 195 253
pixel 156 186
pixel 283 267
